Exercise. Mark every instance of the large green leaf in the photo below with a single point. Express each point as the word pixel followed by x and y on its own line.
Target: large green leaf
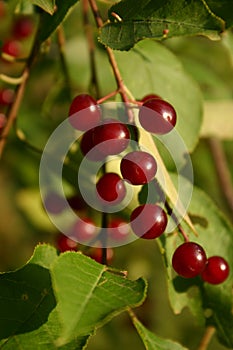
pixel 216 236
pixel 137 20
pixel 49 23
pixel 26 298
pixel 152 341
pixel 88 294
pixel 150 67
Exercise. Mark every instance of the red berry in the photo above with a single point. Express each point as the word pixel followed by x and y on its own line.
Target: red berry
pixel 112 137
pixel 84 112
pixel 157 116
pixel 148 221
pixel 54 203
pixel 12 48
pixel 65 243
pixel 3 121
pixel 88 148
pixel 189 259
pixel 118 229
pixel 76 202
pixel 97 253
pixel 138 167
pixel 216 270
pixel 23 27
pixel 84 230
pixel 6 97
pixel 110 189
pixel 150 97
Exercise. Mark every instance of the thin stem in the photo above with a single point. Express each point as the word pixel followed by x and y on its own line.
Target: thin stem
pixel 174 217
pixel 61 45
pixel 91 47
pixel 222 169
pixel 206 338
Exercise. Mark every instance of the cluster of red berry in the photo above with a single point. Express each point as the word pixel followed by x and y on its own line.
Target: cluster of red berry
pixel 107 137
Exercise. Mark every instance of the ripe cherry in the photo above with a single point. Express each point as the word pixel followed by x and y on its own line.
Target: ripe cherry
pixel 189 259
pixel 138 167
pixel 216 270
pixel 110 189
pixel 150 97
pixel 54 203
pixel 23 27
pixel 88 148
pixel 157 116
pixel 6 97
pixel 12 48
pixel 118 229
pixel 65 243
pixel 84 230
pixel 76 202
pixel 97 254
pixel 84 112
pixel 148 221
pixel 112 137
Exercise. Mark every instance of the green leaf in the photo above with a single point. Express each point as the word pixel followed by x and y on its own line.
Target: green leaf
pixel 46 5
pixel 26 299
pixel 137 20
pixel 152 341
pixel 223 9
pixel 216 236
pixel 150 67
pixel 49 23
pixel 88 294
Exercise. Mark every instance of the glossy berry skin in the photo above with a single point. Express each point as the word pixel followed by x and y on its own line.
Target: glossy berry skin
pixel 6 97
pixel 118 229
pixel 84 112
pixel 88 147
pixel 157 116
pixel 65 243
pixel 112 137
pixel 23 27
pixel 189 260
pixel 148 221
pixel 110 189
pixel 84 230
pixel 12 48
pixel 150 97
pixel 138 167
pixel 216 270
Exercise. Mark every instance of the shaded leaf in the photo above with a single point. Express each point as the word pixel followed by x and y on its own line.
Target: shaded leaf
pixel 152 341
pixel 137 20
pixel 88 294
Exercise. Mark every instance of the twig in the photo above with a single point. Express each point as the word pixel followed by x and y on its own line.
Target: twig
pixel 222 169
pixel 91 47
pixel 206 338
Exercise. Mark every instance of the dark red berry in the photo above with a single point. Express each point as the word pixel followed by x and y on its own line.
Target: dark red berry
pixel 110 189
pixel 6 97
pixel 157 116
pixel 54 203
pixel 84 230
pixel 76 202
pixel 189 259
pixel 148 221
pixel 3 121
pixel 65 243
pixel 12 48
pixel 150 97
pixel 84 112
pixel 138 167
pixel 88 148
pixel 118 229
pixel 112 137
pixel 23 27
pixel 216 270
